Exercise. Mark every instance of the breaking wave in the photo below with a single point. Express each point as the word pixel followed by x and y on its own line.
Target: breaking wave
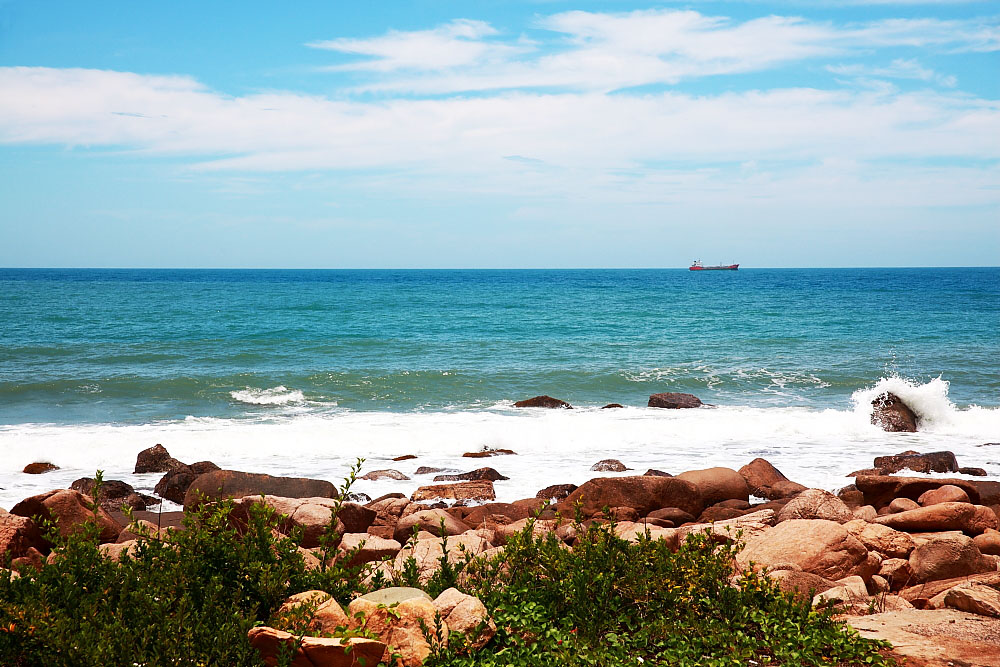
pixel 279 395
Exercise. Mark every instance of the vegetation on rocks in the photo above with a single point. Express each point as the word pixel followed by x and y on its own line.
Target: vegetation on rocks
pixel 190 599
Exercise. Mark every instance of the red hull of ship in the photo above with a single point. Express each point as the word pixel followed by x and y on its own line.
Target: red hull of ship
pixel 731 267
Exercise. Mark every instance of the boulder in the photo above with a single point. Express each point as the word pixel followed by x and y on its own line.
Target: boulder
pixel 718 484
pixel 175 482
pixel 968 518
pixel 39 467
pixel 934 638
pixel 897 572
pixel 404 457
pixel 539 528
pixel 364 548
pixel 744 527
pixel 155 459
pixel 925 463
pixel 429 520
pixel 221 484
pixel 850 594
pixel 466 614
pixel 310 515
pixel 766 481
pixel 890 413
pixel 543 402
pixel 68 509
pixel 866 513
pixel 356 518
pixel 975 599
pixel 816 504
pixel 400 626
pixel 803 585
pixel 880 490
pixel 674 400
pixel 988 542
pixel 644 494
pixel 326 614
pixel 818 546
pixel 974 472
pixel 376 475
pixel 634 531
pixel 388 509
pixel 272 644
pixel 488 452
pixel 672 514
pixel 114 494
pixel 475 475
pixel 611 406
pixel 882 539
pixel 18 534
pixel 947 557
pixel 653 472
pixel 556 491
pixel 478 490
pixel 609 465
pixel 943 494
pixel 902 505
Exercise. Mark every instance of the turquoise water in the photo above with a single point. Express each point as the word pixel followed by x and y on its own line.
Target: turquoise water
pixel 130 346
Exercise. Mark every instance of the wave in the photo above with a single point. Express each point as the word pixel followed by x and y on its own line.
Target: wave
pixel 928 400
pixel 280 395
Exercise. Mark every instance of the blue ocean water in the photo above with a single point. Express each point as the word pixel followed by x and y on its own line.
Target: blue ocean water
pixel 133 346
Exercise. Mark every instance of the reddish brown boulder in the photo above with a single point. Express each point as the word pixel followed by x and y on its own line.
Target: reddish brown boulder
pixel 611 406
pixel 948 557
pixel 672 514
pixel 404 457
pixel 890 413
pixel 988 542
pixel 431 521
pixel 221 484
pixel 376 475
pixel 18 534
pixel 155 459
pixel 674 400
pixel 811 545
pixel 176 481
pixel 975 599
pixel 478 490
pixel 653 472
pixel 943 494
pixel 543 402
pixel 39 467
pixel 718 484
pixel 815 504
pixel 114 494
pixel 642 493
pixel 556 491
pixel 881 539
pixel 466 614
pixel 609 465
pixel 475 475
pixel 968 518
pixel 880 490
pixel 308 651
pixel 925 463
pixel 719 513
pixel 803 585
pixel 766 481
pixel 902 505
pixel 68 509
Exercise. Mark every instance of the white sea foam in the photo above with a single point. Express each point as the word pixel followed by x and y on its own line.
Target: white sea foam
pixel 814 447
pixel 279 395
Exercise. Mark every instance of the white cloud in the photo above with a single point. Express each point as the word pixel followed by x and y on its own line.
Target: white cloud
pixel 900 68
pixel 610 51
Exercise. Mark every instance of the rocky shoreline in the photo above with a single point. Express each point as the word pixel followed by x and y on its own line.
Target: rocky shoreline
pixel 906 558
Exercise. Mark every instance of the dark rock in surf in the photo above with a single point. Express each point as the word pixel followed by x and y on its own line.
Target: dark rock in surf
pixel 923 463
pixel 891 414
pixel 39 467
pixel 543 402
pixel 376 475
pixel 487 452
pixel 653 472
pixel 404 457
pixel 482 473
pixel 114 494
pixel 221 484
pixel 610 406
pixel 556 491
pixel 609 465
pixel 973 472
pixel 174 484
pixel 426 470
pixel 674 400
pixel 155 459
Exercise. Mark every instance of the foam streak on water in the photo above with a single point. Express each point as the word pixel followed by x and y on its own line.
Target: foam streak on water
pixel 816 447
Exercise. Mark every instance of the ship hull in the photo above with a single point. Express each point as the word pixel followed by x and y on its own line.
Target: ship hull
pixel 730 267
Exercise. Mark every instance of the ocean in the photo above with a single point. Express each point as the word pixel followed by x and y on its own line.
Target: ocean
pixel 301 372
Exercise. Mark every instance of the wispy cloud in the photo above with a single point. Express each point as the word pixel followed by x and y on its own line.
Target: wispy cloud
pixel 900 68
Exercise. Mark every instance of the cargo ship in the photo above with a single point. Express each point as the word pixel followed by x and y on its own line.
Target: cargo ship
pixel 698 266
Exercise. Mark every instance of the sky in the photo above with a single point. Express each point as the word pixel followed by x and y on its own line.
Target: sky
pixel 439 134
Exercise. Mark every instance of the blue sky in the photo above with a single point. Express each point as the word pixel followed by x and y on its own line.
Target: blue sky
pixel 499 134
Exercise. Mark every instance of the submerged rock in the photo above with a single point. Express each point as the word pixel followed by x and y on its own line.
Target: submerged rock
pixel 609 465
pixel 674 400
pixel 543 402
pixel 891 414
pixel 39 467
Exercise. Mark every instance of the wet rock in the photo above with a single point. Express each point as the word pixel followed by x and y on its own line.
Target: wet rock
pixel 543 402
pixel 426 470
pixel 487 452
pixel 718 484
pixel 652 472
pixel 890 413
pixel 39 467
pixel 674 400
pixel 475 475
pixel 609 465
pixel 68 509
pixel 376 475
pixel 221 484
pixel 175 483
pixel 611 406
pixel 974 472
pixel 943 494
pixel 816 504
pixel 947 557
pixel 404 457
pixel 556 491
pixel 645 494
pixel 923 463
pixel 155 459
pixel 114 494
